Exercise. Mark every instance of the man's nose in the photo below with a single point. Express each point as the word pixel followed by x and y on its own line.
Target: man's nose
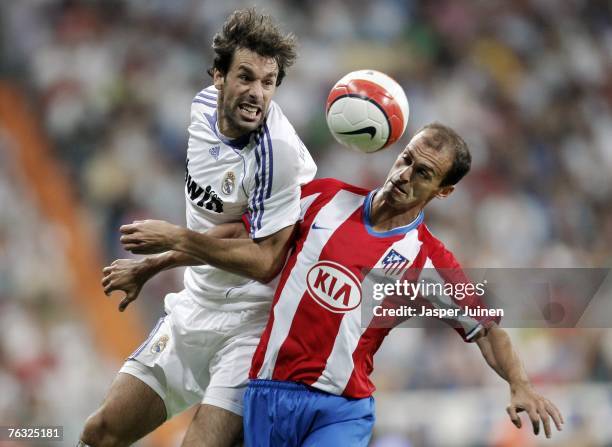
pixel 405 173
pixel 256 91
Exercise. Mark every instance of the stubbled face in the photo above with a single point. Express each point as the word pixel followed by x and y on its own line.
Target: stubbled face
pixel 415 176
pixel 245 92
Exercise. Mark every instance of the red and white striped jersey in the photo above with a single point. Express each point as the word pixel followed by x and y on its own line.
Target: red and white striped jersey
pixel 314 334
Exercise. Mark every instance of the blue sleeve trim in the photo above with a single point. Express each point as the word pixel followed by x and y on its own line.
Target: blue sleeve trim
pixel 271 160
pixel 209 104
pixel 207 96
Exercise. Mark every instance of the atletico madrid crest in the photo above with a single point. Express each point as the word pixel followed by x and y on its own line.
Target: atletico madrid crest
pixel 394 263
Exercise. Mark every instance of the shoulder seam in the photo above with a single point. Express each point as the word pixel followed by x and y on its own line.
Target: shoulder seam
pixel 207 97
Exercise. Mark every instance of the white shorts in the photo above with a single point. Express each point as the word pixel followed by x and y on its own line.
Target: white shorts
pixel 196 355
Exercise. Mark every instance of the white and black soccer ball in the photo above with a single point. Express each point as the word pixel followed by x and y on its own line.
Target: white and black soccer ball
pixel 367 110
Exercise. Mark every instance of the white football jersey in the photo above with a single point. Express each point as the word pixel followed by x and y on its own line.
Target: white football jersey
pixel 259 174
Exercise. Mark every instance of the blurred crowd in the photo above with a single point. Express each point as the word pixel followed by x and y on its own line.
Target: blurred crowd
pixel 48 360
pixel 528 83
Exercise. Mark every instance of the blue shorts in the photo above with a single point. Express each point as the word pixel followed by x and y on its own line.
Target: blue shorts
pixel 293 414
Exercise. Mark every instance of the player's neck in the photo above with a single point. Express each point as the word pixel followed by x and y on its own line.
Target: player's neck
pixel 227 131
pixel 384 217
pixel 383 221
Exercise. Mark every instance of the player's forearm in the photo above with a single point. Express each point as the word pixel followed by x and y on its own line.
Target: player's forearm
pixel 173 258
pixel 168 260
pixel 500 355
pixel 241 256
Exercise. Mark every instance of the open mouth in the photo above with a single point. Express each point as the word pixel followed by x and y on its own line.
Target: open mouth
pixel 249 111
pixel 398 188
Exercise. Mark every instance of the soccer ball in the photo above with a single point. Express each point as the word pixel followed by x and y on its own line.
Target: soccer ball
pixel 367 110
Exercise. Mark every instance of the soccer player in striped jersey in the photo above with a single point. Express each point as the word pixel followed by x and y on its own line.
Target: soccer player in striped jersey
pixel 310 374
pixel 243 157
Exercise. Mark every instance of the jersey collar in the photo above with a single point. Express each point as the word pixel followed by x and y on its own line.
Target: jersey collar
pixel 367 209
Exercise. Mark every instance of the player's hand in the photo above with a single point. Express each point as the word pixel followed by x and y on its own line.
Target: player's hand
pixel 525 398
pixel 149 236
pixel 127 275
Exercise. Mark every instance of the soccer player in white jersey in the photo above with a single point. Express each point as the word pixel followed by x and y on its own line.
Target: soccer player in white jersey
pixel 310 374
pixel 243 157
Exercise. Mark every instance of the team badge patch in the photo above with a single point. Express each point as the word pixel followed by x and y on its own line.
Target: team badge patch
pixel 394 263
pixel 228 183
pixel 214 151
pixel 160 344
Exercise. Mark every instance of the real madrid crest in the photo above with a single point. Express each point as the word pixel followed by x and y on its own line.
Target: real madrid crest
pixel 228 183
pixel 160 344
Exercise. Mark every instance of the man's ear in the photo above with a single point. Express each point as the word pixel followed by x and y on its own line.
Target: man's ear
pixel 218 79
pixel 445 192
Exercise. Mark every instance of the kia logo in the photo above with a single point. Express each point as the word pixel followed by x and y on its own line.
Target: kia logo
pixel 333 286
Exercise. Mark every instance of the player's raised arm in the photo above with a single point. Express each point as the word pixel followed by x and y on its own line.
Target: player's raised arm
pixel 499 353
pixel 260 259
pixel 130 275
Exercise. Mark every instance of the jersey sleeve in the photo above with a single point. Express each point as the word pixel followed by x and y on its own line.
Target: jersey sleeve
pixel 282 165
pixel 455 291
pixel 329 187
pixel 203 107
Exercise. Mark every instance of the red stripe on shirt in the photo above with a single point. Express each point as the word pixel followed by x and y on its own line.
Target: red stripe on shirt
pixel 303 356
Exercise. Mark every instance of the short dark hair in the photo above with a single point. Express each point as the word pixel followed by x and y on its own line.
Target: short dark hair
pixel 446 137
pixel 245 28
